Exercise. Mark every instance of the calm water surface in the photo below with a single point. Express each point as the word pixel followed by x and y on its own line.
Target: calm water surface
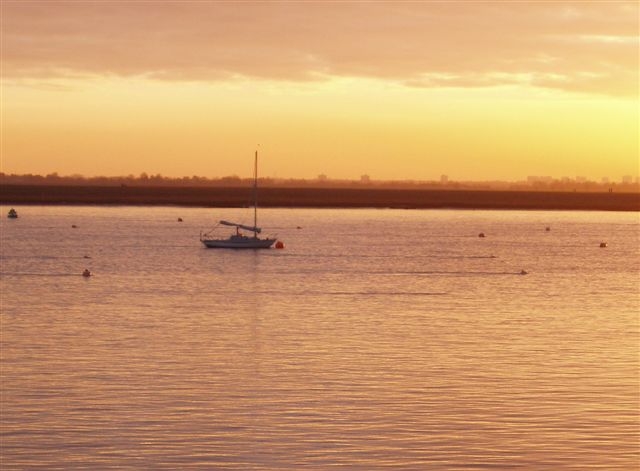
pixel 375 339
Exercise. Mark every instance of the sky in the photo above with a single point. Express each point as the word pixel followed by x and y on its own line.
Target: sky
pixel 394 90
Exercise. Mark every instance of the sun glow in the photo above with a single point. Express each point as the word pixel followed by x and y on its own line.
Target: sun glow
pixel 393 103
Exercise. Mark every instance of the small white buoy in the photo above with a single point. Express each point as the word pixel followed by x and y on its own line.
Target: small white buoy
pixel 603 244
pixel 86 273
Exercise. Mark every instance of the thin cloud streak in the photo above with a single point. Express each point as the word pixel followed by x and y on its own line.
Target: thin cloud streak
pixel 572 46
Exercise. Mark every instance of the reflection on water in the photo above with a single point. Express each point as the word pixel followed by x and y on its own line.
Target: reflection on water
pixel 376 339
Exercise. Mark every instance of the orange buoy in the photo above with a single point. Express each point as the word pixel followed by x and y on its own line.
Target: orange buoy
pixel 279 245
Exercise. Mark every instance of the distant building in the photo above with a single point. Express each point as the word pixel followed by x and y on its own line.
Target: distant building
pixel 627 179
pixel 581 179
pixel 322 177
pixel 444 178
pixel 365 179
pixel 605 180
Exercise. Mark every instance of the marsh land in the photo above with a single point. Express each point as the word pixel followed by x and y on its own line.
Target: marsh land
pixel 362 197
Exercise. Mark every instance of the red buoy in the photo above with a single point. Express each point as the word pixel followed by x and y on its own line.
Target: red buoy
pixel 279 245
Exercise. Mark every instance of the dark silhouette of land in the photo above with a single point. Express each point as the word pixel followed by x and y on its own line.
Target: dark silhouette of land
pixel 579 184
pixel 309 197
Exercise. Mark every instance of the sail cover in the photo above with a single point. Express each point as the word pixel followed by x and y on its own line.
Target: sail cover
pixel 242 226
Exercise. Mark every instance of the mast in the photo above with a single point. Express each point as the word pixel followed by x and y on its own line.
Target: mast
pixel 255 194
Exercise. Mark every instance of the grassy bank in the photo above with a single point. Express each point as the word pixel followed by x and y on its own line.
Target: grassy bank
pixel 317 197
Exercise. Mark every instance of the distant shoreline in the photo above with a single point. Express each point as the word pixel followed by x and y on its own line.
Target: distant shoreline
pixel 278 197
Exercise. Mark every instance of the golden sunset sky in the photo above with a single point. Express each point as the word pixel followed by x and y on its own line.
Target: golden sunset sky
pixel 395 90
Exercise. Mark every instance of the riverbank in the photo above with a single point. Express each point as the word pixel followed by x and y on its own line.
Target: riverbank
pixel 318 197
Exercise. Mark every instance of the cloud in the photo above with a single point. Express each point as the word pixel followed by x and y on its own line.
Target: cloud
pixel 568 45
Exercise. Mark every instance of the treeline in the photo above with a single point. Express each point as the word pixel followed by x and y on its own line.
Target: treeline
pixel 158 180
pixel 142 180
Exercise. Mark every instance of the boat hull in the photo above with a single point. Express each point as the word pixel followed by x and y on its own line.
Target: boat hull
pixel 238 243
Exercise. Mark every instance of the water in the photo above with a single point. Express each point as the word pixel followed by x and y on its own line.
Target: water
pixel 375 339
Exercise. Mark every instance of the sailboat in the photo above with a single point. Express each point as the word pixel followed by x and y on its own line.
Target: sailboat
pixel 238 240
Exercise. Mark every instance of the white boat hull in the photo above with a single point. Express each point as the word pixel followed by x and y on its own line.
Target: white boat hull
pixel 238 242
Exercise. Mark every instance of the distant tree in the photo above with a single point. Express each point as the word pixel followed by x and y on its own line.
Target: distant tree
pixel 231 179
